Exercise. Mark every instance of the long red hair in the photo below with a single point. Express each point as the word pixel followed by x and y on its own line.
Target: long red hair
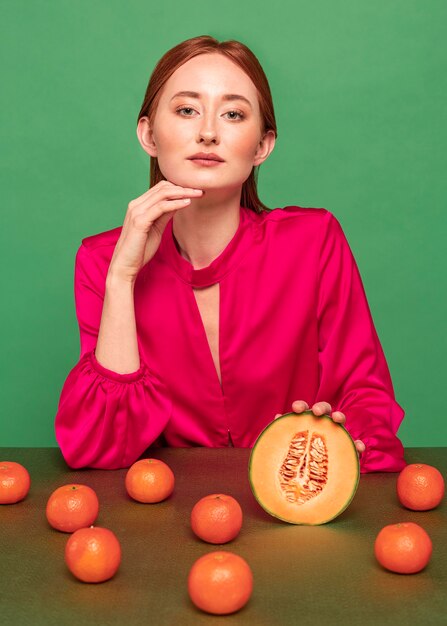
pixel 242 56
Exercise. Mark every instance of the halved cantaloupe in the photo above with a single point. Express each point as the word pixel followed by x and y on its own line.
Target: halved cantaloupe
pixel 304 469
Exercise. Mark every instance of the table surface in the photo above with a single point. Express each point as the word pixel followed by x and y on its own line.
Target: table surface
pixel 302 574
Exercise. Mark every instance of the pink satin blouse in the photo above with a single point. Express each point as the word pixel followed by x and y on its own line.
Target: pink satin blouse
pixel 294 324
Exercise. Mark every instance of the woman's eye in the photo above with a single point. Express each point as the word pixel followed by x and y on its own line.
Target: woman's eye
pixel 235 115
pixel 186 111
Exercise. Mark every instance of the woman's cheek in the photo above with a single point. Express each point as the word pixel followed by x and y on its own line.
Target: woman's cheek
pixel 172 172
pixel 246 144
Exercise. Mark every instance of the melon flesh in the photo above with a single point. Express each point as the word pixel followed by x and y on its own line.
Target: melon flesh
pixel 304 469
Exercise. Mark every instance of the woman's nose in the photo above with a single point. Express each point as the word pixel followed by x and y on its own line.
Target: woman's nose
pixel 208 131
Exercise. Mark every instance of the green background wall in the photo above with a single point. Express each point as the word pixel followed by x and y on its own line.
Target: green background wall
pixel 359 90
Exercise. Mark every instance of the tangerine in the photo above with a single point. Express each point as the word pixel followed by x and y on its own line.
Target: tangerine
pixel 220 583
pixel 420 487
pixel 14 482
pixel 404 548
pixel 93 554
pixel 216 518
pixel 149 481
pixel 71 507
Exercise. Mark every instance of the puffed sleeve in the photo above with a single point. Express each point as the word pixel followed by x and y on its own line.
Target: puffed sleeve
pixel 354 375
pixel 105 419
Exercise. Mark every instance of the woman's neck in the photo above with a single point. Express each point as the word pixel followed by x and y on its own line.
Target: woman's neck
pixel 205 228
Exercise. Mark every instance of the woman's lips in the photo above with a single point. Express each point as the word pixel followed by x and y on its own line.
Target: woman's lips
pixel 206 159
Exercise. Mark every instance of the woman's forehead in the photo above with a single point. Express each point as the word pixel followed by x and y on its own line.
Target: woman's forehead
pixel 211 74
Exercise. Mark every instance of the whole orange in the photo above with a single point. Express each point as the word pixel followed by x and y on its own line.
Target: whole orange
pixel 404 548
pixel 14 482
pixel 149 481
pixel 220 583
pixel 93 554
pixel 216 518
pixel 420 487
pixel 71 507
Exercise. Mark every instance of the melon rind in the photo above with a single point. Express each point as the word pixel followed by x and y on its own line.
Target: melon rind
pixel 343 475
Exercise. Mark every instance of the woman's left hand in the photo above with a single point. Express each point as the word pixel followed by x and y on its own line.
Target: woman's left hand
pixel 324 408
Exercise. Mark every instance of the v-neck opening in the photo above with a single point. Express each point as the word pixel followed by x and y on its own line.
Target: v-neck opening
pixel 210 351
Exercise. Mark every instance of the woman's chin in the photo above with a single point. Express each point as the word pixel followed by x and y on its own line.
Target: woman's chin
pixel 214 191
pixel 210 189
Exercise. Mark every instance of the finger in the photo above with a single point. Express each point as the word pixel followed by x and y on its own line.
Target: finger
pixel 298 406
pixel 321 408
pixel 166 192
pixel 277 415
pixel 166 187
pixel 173 193
pixel 143 219
pixel 360 446
pixel 338 417
pixel 159 224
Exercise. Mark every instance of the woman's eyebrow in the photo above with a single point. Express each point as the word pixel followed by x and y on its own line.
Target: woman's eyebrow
pixel 227 97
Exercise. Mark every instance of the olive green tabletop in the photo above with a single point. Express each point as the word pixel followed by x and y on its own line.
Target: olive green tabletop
pixel 302 574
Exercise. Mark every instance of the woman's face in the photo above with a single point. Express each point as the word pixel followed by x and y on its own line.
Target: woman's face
pixel 209 106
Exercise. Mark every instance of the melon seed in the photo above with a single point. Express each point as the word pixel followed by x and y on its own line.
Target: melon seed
pixel 304 471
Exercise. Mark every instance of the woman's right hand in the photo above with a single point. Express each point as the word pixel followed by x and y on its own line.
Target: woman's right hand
pixel 143 227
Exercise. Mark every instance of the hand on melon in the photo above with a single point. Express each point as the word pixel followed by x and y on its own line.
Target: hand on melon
pixel 324 408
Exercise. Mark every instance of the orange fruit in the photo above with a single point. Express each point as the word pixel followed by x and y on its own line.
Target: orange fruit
pixel 220 583
pixel 14 482
pixel 71 507
pixel 93 554
pixel 149 481
pixel 404 548
pixel 420 487
pixel 216 518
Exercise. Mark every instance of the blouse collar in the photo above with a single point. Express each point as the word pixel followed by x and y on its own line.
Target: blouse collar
pixel 227 260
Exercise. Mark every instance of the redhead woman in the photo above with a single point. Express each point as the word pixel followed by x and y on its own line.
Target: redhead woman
pixel 206 314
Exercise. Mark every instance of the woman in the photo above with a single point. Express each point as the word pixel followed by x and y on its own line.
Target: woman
pixel 207 315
